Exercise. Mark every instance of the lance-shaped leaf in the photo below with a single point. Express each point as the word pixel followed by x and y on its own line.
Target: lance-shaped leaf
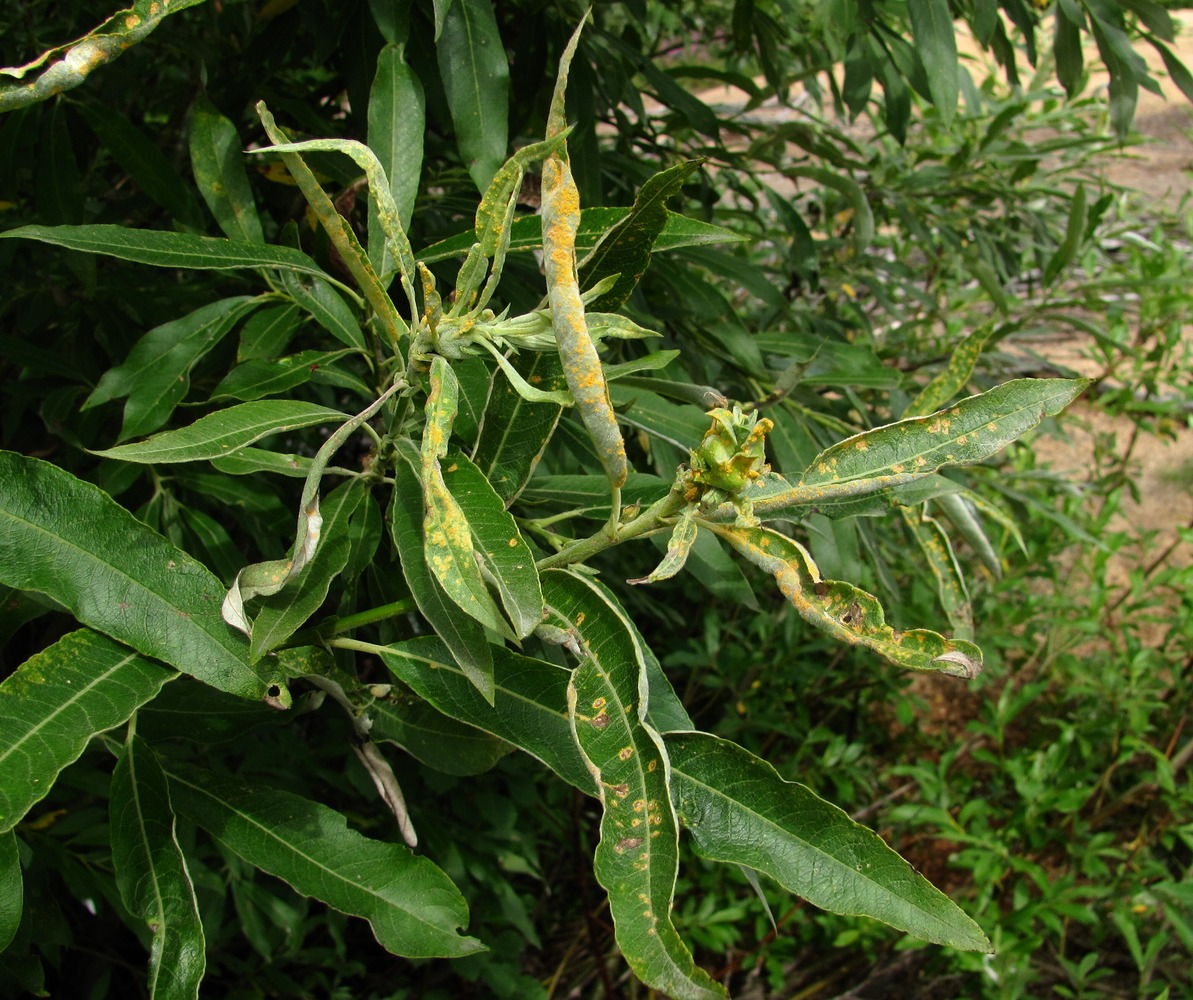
pixel 67 539
pixel 268 332
pixel 397 119
pixel 581 364
pixel 267 578
pixel 156 375
pixel 637 859
pixel 503 553
pixel 462 634
pixel 515 431
pixel 683 535
pixel 625 249
pixel 739 810
pixel 844 611
pixel 12 888
pixel 222 433
pixel 934 543
pixel 526 234
pixel 217 160
pixel 151 873
pixel 439 741
pixel 475 73
pixel 340 233
pixel 955 376
pixel 326 307
pixel 164 249
pixel 413 907
pixel 447 535
pixel 528 707
pixel 397 244
pixel 936 43
pixel 55 701
pixel 969 431
pixel 283 614
pixel 259 377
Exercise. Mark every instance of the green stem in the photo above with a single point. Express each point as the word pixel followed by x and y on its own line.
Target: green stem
pixel 350 622
pixel 358 646
pixel 644 523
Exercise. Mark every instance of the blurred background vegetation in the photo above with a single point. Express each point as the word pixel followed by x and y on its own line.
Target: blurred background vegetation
pixel 882 226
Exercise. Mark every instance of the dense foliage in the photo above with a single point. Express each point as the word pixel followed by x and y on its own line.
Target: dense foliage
pixel 483 385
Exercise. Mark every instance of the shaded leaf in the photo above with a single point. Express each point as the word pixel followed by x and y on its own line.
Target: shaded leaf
pixel 152 876
pixel 936 43
pixel 12 888
pixel 217 159
pixel 260 377
pixel 955 376
pixel 55 702
pixel 284 613
pixel 156 374
pixel 327 308
pixel 475 74
pixel 162 249
pixel 437 740
pixel 413 907
pixel 625 249
pixel 396 121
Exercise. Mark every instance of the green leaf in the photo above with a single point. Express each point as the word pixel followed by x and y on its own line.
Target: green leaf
pixel 740 811
pixel 1066 49
pixel 846 612
pixel 934 543
pixel 247 461
pixel 968 431
pixel 152 876
pixel 447 535
pixel 268 332
pixel 526 234
pixel 637 859
pixel 683 535
pixel 437 740
pixel 162 249
pixel 1074 235
pixel 224 432
pixel 464 636
pixel 55 702
pixel 156 374
pixel 284 613
pixel 145 163
pixel 413 907
pixel 1178 72
pixel 397 119
pixel 936 43
pixel 625 249
pixel 955 376
pixel 528 708
pixel 64 538
pixel 504 555
pixel 863 215
pixel 259 377
pixel 475 74
pixel 515 431
pixel 58 182
pixel 682 425
pixel 339 231
pixel 327 308
pixel 12 888
pixel 217 160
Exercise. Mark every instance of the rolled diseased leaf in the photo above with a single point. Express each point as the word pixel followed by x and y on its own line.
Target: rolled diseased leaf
pixel 447 534
pixel 678 547
pixel 844 611
pixel 581 364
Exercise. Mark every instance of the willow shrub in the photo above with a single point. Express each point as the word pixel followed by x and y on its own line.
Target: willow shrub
pixel 489 468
